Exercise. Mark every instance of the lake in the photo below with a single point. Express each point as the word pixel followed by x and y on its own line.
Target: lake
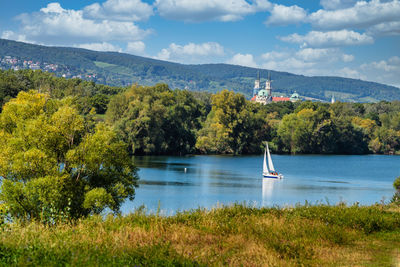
pixel 183 183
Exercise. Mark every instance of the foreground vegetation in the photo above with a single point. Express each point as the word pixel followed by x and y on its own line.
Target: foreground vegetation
pixel 237 235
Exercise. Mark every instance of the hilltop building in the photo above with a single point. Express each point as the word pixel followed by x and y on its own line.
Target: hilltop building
pixel 264 95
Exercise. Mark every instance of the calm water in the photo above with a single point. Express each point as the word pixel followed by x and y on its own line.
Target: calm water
pixel 212 180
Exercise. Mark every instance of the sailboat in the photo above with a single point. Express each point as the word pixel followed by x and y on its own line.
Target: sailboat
pixel 269 171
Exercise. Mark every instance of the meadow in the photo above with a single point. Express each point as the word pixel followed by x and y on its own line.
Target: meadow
pixel 236 235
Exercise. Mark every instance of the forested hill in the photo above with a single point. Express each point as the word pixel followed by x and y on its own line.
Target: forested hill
pixel 122 69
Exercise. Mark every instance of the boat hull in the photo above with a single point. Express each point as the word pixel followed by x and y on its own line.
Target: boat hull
pixel 272 176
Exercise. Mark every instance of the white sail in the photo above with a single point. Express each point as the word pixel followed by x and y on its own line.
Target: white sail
pixel 265 168
pixel 270 164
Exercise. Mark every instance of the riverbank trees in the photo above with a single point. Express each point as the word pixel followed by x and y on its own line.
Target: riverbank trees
pixel 55 163
pixel 159 120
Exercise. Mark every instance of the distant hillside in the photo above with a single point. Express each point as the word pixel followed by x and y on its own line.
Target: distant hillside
pixel 123 69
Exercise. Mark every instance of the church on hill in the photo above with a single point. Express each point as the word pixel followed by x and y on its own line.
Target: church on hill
pixel 264 96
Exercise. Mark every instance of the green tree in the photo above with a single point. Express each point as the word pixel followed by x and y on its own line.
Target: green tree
pixel 234 125
pixel 50 164
pixel 156 119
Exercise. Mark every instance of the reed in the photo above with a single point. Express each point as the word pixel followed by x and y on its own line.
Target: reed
pixel 236 235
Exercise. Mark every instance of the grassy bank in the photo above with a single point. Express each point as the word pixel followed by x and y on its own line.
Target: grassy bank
pixel 237 235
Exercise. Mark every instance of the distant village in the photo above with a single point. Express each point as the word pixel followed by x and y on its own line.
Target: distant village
pixel 9 62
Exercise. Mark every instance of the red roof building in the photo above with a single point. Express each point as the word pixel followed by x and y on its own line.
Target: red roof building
pixel 280 99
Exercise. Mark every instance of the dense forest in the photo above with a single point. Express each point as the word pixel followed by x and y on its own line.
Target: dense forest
pixel 117 69
pixel 158 120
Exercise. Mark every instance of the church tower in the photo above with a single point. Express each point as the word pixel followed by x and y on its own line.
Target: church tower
pixel 257 84
pixel 268 85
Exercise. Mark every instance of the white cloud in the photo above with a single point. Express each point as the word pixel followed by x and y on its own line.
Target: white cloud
pixel 10 35
pixel 337 4
pixel 100 47
pixel 307 61
pixel 290 64
pixel 314 54
pixel 393 64
pixel 388 28
pixel 136 48
pixel 323 54
pixel 384 71
pixel 124 10
pixel 52 8
pixel 273 55
pixel 54 25
pixel 243 60
pixel 360 16
pixel 347 58
pixel 284 15
pixel 192 53
pixel 349 73
pixel 209 10
pixel 329 39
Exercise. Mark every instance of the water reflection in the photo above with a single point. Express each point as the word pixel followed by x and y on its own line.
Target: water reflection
pixel 267 190
pixel 143 182
pixel 209 180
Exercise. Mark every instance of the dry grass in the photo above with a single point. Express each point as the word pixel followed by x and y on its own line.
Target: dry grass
pixel 228 236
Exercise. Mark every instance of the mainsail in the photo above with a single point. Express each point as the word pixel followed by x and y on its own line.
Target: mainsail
pixel 270 164
pixel 265 168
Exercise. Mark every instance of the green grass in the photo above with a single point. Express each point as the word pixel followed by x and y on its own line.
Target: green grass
pixel 104 64
pixel 114 68
pixel 237 235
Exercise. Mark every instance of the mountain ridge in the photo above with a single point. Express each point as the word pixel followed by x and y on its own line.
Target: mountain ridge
pixel 114 68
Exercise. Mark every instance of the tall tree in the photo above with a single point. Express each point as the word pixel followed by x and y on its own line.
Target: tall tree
pixel 50 164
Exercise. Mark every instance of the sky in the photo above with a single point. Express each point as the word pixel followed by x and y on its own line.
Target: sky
pixel 346 38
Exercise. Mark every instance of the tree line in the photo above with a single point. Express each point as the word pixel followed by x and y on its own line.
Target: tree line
pixel 159 120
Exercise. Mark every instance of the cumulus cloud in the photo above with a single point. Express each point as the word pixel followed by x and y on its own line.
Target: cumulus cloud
pixel 284 15
pixel 313 54
pixel 384 71
pixel 393 64
pixel 15 36
pixel 290 64
pixel 209 10
pixel 273 55
pixel 52 8
pixel 388 28
pixel 329 39
pixel 323 54
pixel 243 60
pixel 337 4
pixel 306 61
pixel 360 16
pixel 192 53
pixel 55 25
pixel 136 48
pixel 104 46
pixel 123 10
pixel 349 73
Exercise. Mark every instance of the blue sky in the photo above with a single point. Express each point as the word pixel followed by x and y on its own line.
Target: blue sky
pixel 347 38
